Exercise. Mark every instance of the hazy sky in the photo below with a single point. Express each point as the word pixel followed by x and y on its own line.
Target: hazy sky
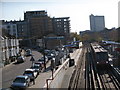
pixel 77 10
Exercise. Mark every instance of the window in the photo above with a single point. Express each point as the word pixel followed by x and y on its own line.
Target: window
pixel 13 26
pixel 8 26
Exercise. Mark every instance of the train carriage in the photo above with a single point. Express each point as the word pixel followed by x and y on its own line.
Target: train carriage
pixel 100 55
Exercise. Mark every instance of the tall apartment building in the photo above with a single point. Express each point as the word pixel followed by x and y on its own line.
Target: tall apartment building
pixel 97 23
pixel 38 23
pixel 61 26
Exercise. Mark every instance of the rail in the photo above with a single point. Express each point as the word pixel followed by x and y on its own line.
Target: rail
pixel 63 66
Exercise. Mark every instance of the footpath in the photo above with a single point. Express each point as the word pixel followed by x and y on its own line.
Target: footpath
pixel 41 79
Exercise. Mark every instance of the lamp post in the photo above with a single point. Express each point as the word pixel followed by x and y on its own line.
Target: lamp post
pixel 44 47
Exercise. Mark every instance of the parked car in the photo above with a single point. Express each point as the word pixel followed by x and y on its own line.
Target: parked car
pixel 50 56
pixel 42 59
pixel 47 51
pixel 20 59
pixel 39 63
pixel 28 52
pixel 31 73
pixel 20 82
pixel 36 67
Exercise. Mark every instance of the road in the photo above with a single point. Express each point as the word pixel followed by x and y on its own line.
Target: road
pixel 11 71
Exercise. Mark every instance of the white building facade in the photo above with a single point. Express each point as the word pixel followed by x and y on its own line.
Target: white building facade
pixel 10 49
pixel 97 23
pixel 9 46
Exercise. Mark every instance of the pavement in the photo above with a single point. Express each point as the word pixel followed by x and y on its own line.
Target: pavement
pixel 41 79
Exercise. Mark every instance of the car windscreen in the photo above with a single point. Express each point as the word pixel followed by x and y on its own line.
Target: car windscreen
pixel 42 59
pixel 19 80
pixel 35 66
pixel 28 72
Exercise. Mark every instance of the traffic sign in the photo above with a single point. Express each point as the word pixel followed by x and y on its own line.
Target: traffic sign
pixel 32 59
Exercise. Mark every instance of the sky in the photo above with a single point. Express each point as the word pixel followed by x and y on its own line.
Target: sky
pixel 77 10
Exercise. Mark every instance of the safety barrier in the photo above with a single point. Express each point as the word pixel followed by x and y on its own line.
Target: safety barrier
pixel 56 80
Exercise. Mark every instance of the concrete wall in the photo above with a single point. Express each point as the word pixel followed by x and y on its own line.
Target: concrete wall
pixel 58 76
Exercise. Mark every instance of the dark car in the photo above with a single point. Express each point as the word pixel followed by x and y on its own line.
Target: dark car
pixel 36 67
pixel 31 73
pixel 20 82
pixel 20 59
pixel 28 52
pixel 50 56
pixel 39 63
pixel 42 60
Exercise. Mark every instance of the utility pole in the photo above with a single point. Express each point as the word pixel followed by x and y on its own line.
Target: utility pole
pixel 44 47
pixel 32 59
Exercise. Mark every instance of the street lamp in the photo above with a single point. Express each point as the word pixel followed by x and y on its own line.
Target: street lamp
pixel 44 47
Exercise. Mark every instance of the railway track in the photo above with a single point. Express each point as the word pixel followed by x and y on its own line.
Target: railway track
pixel 88 76
pixel 92 78
pixel 109 80
pixel 78 77
pixel 99 78
pixel 105 78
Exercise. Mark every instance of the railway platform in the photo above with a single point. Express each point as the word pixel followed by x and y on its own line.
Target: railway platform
pixel 68 75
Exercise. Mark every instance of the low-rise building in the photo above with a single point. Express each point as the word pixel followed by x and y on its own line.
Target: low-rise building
pixel 9 48
pixel 1 49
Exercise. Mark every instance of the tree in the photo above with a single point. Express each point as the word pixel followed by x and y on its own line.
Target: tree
pixel 75 35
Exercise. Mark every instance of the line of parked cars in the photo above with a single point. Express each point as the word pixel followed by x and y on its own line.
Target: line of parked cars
pixel 29 75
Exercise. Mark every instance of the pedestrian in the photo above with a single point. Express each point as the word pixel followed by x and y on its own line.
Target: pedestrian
pixel 33 79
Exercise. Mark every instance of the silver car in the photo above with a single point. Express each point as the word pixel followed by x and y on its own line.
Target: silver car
pixel 20 82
